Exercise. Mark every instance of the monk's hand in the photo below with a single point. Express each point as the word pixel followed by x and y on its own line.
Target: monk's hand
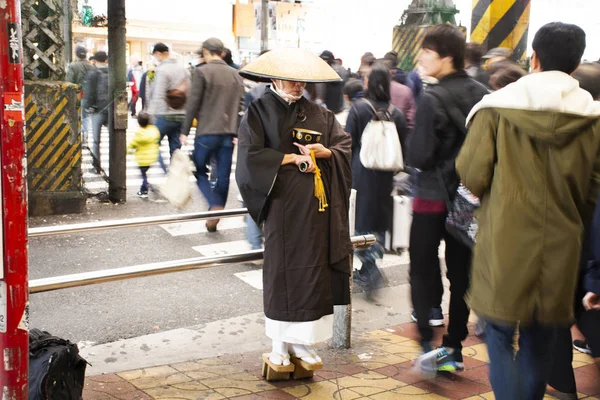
pixel 319 150
pixel 304 150
pixel 591 301
pixel 308 162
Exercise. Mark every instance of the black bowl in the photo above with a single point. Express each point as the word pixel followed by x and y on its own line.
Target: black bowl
pixel 306 136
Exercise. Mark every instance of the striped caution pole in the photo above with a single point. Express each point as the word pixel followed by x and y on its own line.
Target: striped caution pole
pixel 501 23
pixel 53 149
pixel 407 43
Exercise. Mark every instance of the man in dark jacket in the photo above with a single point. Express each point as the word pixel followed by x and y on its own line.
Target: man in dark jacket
pixel 332 93
pixel 473 61
pixel 97 101
pixel 215 100
pixel 432 149
pixel 76 72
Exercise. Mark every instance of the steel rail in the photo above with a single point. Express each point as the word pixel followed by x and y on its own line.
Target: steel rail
pixel 138 271
pixel 133 222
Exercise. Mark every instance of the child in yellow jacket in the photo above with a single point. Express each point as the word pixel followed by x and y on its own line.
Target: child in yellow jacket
pixel 146 148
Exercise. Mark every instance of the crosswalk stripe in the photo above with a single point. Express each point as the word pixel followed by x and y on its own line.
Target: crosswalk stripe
pixel 223 248
pixel 131 182
pixel 194 227
pixel 254 277
pixel 94 182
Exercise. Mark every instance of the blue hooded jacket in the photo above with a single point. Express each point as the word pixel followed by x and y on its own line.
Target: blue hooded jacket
pixel 592 277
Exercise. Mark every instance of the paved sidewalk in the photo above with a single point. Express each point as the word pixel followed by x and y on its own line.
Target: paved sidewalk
pixel 377 367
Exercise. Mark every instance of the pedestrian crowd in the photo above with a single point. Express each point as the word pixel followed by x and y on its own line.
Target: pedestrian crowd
pixel 467 123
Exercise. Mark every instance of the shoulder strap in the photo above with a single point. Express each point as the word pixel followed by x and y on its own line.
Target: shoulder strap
pixel 370 105
pixel 391 109
pixel 449 104
pixel 458 119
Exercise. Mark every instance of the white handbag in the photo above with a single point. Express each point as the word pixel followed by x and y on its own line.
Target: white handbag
pixel 176 188
pixel 380 143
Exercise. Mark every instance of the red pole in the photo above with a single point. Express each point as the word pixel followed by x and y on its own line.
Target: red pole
pixel 14 309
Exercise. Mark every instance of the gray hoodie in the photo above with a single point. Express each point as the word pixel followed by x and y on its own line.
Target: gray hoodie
pixel 169 75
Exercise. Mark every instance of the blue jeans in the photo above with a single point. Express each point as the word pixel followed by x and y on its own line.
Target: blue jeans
pixel 85 122
pixel 525 375
pixel 369 257
pixel 98 120
pixel 171 128
pixel 221 146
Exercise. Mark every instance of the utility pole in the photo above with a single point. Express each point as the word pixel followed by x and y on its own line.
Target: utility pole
pixel 117 115
pixel 264 26
pixel 68 35
pixel 14 292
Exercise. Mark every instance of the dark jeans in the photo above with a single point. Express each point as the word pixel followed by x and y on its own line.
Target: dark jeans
pixel 98 120
pixel 171 128
pixel 426 233
pixel 145 184
pixel 221 146
pixel 133 105
pixel 524 376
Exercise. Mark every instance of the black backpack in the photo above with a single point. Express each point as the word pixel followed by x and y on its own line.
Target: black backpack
pixel 56 370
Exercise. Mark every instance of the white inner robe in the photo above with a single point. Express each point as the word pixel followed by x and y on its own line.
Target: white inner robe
pixel 306 333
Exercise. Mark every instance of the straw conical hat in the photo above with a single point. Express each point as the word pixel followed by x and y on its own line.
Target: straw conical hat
pixel 291 65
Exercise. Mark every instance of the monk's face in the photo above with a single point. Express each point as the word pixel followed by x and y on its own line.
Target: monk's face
pixel 293 88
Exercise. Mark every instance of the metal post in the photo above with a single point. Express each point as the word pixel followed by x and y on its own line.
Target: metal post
pixel 342 315
pixel 264 26
pixel 14 319
pixel 68 33
pixel 117 116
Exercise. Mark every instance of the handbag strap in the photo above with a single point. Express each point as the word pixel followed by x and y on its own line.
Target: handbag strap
pixel 447 100
pixel 440 176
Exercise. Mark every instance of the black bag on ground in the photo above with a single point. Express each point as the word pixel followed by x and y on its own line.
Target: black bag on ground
pixel 56 370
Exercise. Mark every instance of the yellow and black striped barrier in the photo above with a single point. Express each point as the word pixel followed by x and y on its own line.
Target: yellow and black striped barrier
pixel 54 176
pixel 407 43
pixel 501 23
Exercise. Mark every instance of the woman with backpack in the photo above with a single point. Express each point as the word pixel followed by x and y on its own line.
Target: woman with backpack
pixel 374 187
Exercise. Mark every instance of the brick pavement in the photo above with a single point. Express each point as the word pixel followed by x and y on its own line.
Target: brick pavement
pixel 377 367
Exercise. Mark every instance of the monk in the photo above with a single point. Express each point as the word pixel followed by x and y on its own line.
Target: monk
pixel 307 242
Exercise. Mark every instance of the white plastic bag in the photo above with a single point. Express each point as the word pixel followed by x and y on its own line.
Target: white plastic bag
pixel 380 143
pixel 176 188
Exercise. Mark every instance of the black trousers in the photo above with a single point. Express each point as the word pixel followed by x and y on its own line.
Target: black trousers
pixel 426 233
pixel 562 377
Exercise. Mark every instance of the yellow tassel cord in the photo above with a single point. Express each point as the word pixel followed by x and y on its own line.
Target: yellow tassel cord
pixel 319 187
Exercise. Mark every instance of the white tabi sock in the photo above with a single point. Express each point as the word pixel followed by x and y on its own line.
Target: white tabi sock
pixel 280 353
pixel 304 353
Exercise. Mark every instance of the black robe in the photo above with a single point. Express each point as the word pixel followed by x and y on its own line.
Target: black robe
pixel 307 253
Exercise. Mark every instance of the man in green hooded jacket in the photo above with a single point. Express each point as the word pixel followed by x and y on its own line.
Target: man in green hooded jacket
pixel 532 155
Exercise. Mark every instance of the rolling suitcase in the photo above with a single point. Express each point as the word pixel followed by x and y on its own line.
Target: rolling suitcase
pixel 397 240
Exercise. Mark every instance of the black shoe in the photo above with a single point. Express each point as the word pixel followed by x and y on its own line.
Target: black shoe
pixel 142 194
pixel 582 346
pixel 361 280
